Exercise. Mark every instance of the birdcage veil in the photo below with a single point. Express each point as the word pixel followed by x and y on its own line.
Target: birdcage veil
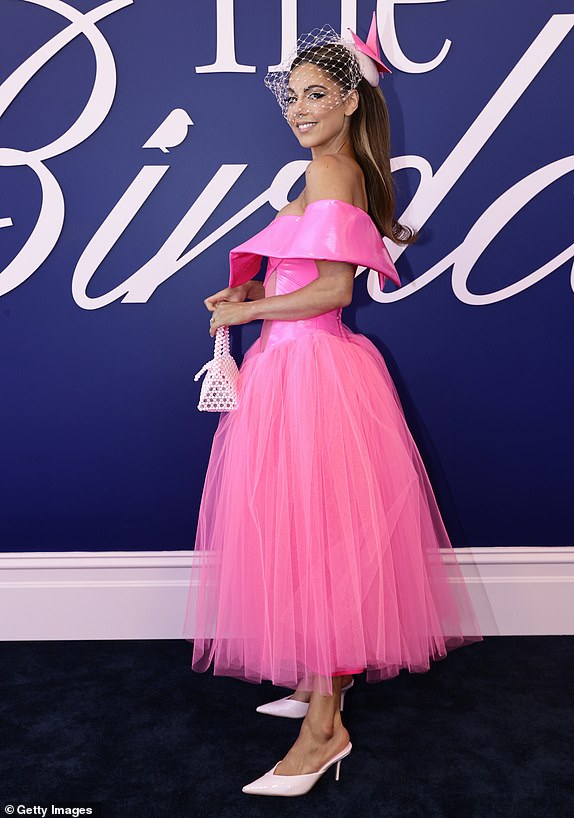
pixel 322 51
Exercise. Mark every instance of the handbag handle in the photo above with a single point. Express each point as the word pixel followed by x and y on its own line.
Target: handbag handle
pixel 221 341
pixel 221 348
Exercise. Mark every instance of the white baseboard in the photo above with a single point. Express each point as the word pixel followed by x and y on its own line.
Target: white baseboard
pixel 129 595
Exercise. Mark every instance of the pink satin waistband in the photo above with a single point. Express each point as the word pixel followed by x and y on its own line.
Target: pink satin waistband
pixel 275 332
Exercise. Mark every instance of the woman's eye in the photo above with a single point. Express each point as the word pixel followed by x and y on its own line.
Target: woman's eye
pixel 313 95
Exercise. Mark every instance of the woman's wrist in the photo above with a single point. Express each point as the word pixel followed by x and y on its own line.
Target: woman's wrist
pixel 253 307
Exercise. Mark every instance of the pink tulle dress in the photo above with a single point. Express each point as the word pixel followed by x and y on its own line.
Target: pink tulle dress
pixel 319 538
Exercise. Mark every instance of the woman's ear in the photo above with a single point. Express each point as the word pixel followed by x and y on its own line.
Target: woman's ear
pixel 352 103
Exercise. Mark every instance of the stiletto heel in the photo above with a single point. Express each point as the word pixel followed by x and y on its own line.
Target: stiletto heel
pixel 271 784
pixel 291 708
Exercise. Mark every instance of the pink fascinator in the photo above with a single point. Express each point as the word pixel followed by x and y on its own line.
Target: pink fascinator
pixel 368 54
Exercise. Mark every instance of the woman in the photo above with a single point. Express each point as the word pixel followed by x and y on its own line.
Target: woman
pixel 321 531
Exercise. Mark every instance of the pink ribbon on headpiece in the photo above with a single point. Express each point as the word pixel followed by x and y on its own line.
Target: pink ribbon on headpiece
pixel 373 65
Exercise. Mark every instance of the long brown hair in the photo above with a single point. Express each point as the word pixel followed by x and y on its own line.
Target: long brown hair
pixel 370 136
pixel 371 139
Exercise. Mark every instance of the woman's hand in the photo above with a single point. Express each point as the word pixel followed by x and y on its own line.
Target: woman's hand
pixel 228 294
pixel 228 305
pixel 228 313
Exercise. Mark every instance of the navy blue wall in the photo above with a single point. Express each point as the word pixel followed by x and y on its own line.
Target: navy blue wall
pixel 102 447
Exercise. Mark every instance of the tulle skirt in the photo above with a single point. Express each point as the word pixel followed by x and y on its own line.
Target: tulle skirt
pixel 319 538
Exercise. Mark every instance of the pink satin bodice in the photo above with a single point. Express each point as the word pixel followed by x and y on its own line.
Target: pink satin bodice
pixel 284 276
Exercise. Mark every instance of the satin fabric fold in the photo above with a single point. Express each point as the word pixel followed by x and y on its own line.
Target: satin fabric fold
pixel 329 230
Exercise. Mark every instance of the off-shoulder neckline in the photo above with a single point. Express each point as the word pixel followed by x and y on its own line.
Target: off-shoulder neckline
pixel 339 201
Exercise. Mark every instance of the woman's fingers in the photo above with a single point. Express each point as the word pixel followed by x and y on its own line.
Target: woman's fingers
pixel 229 294
pixel 212 301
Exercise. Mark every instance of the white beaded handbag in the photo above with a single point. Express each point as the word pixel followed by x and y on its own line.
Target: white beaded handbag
pixel 219 387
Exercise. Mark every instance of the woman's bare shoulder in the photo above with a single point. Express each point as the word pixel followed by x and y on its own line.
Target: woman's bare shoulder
pixel 335 176
pixel 331 176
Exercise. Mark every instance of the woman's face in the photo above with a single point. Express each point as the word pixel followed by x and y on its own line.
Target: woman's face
pixel 316 110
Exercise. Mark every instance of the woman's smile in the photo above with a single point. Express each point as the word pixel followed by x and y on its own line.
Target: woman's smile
pixel 305 126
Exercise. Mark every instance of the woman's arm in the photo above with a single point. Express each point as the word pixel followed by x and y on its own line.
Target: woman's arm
pixel 251 289
pixel 333 289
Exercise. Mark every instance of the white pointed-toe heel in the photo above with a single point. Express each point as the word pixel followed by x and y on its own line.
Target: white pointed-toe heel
pixel 271 784
pixel 290 708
